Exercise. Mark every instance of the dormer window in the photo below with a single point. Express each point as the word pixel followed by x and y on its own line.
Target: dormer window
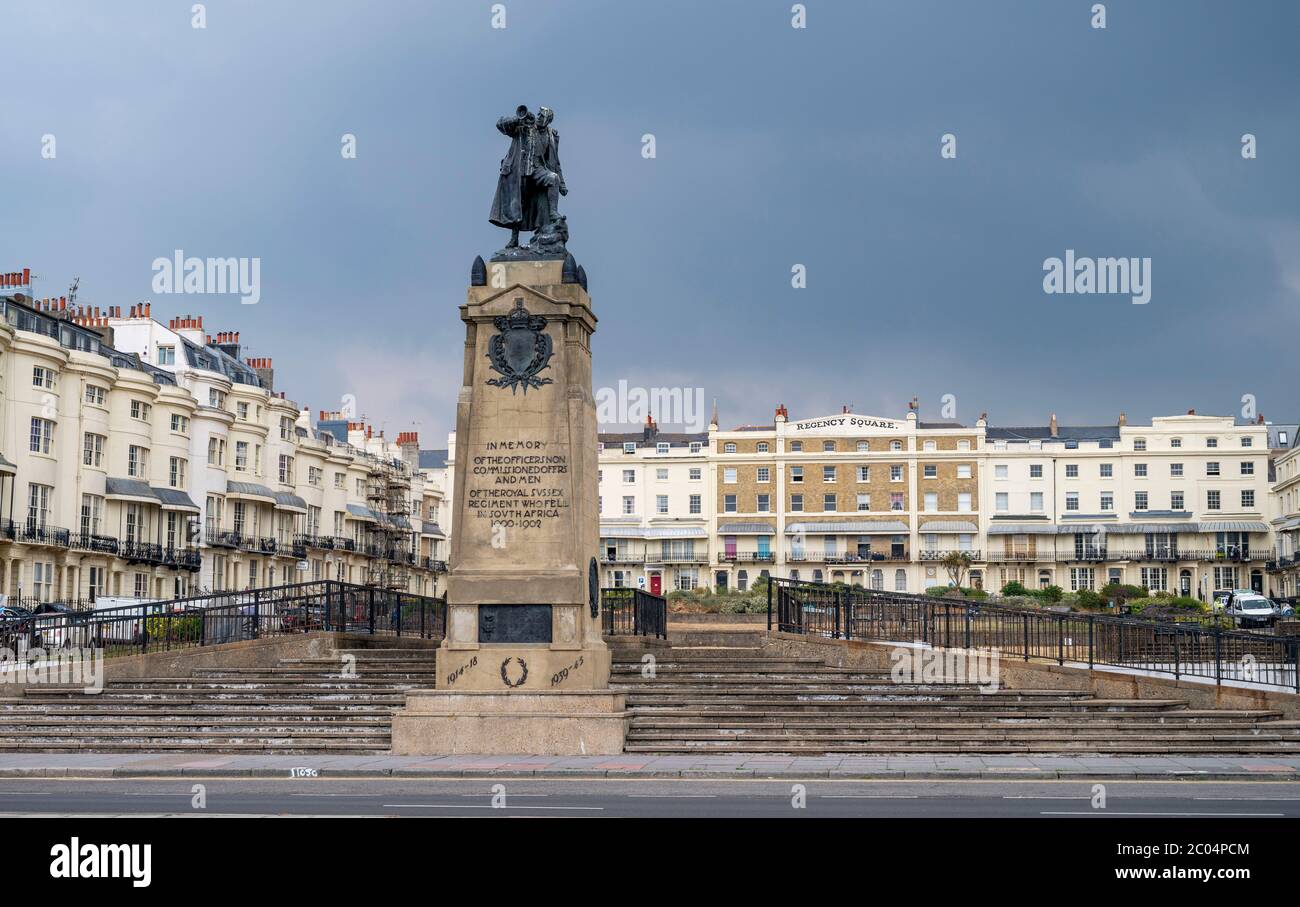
pixel 661 447
pixel 629 447
pixel 729 447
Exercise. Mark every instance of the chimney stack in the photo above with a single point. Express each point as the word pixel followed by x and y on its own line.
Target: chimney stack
pixel 1054 427
pixel 1123 420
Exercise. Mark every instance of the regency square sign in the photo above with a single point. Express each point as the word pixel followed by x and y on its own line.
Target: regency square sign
pixel 845 423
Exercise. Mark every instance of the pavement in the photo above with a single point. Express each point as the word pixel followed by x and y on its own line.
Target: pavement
pixel 638 766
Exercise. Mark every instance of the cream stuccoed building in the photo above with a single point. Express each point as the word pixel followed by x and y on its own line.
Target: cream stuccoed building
pixel 151 460
pixel 1180 504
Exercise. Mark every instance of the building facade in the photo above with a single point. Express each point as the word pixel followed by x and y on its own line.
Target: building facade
pixel 1181 504
pixel 145 460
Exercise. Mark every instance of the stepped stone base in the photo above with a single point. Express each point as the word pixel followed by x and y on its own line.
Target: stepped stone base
pixel 544 723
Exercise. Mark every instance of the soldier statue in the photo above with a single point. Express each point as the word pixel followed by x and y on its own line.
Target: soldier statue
pixel 530 185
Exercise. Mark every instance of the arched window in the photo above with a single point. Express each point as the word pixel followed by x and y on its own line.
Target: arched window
pixel 900 580
pixel 963 444
pixel 895 445
pixel 761 447
pixel 828 446
pixel 930 445
pixel 729 447
pixel 878 579
pixel 796 447
pixel 742 580
pixel 817 576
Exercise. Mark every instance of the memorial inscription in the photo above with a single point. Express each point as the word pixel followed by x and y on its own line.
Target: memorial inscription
pixel 518 483
pixel 514 623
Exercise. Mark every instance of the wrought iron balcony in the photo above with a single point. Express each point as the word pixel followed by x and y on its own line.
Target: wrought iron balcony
pixel 89 541
pixel 938 554
pixel 142 552
pixel 754 557
pixel 622 558
pixel 33 533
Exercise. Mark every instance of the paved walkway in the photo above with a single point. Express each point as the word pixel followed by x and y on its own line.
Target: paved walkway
pixel 719 765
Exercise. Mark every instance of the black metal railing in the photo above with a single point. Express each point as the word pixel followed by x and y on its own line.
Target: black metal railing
pixel 1162 647
pixel 633 612
pixel 221 617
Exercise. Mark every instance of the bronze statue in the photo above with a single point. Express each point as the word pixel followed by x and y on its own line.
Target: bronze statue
pixel 530 185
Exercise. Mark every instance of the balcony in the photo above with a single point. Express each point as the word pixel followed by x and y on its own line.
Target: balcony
pixel 1019 557
pixel 142 552
pixel 1089 554
pixel 437 566
pixel 749 557
pixel 32 533
pixel 849 557
pixel 181 558
pixel 608 558
pixel 308 540
pixel 89 541
pixel 940 554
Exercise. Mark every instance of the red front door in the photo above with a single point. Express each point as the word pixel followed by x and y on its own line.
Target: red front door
pixel 656 583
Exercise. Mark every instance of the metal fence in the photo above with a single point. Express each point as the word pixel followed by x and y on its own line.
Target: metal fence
pixel 1163 647
pixel 633 612
pixel 221 617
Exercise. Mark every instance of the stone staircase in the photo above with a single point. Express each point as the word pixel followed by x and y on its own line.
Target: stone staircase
pixel 302 705
pixel 719 692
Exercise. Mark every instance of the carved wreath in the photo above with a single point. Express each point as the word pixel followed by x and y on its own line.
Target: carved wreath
pixel 520 350
pixel 505 677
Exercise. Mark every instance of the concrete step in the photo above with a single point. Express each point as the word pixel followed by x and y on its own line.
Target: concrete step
pixel 875 737
pixel 351 700
pixel 902 706
pixel 957 725
pixel 965 747
pixel 281 746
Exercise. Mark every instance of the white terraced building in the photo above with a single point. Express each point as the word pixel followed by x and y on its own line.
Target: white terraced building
pixel 149 460
pixel 1181 504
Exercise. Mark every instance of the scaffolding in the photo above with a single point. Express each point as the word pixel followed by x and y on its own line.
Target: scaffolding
pixel 390 544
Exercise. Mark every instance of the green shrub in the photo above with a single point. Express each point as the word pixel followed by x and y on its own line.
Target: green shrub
pixel 1089 600
pixel 1014 588
pixel 1051 594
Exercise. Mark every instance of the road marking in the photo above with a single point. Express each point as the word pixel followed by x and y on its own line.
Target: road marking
pixel 1029 797
pixel 672 796
pixel 1107 812
pixel 480 806
pixel 870 797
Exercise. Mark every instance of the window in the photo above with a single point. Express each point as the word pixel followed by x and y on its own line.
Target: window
pixel 94 395
pixel 92 512
pixel 180 424
pixel 895 473
pixel 1000 471
pixel 1080 578
pixel 796 474
pixel 1247 467
pixel 1107 501
pixel 1212 468
pixel 42 435
pixel 1156 579
pixel 828 503
pixel 828 446
pixel 166 355
pixel 1036 502
pixel 176 472
pixel 661 447
pixel 661 503
pixel 729 475
pixel 695 503
pixel 1072 470
pixel 1176 470
pixel 1072 500
pixel 629 476
pixel 1106 470
pixel 761 447
pixel 216 451
pixel 1175 442
pixel 1247 441
pixel 241 411
pixel 729 447
pixel 828 473
pixel 864 502
pixel 895 500
pixel 764 504
pixel 629 504
pixel 1001 502
pixel 1035 470
pixel 43 377
pixel 1211 442
pixel 93 450
pixel 963 471
pixel 629 447
pixel 796 447
pixel 137 461
pixel 1139 443
pixel 931 501
pixel 696 474
pixel 38 504
pixel 1140 500
pixel 796 503
pixel 1247 498
pixel 900 579
pixel 286 469
pixel 863 446
pixel 864 473
pixel 963 444
pixel 764 474
pixel 696 447
pixel 929 445
pixel 1140 470
pixel 241 456
pixel 895 445
pixel 140 410
pixel 340 480
pixel 1212 500
pixel 930 471
pixel 315 474
pixel 661 474
pixel 1176 501
pixel 964 502
pixel 729 503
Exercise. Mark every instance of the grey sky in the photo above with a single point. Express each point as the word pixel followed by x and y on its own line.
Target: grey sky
pixel 775 146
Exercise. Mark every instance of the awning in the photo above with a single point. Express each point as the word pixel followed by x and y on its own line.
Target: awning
pixel 676 532
pixel 1022 529
pixel 1143 528
pixel 130 490
pixel 175 499
pixel 427 528
pixel 287 501
pixel 1234 526
pixel 250 490
pixel 746 529
pixel 6 467
pixel 1286 525
pixel 949 526
pixel 890 527
pixel 1083 528
pixel 359 512
pixel 621 532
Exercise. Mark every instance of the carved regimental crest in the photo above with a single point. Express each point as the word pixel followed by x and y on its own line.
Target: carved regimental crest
pixel 520 350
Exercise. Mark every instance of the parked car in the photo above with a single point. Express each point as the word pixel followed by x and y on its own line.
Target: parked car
pixel 1249 610
pixel 1283 610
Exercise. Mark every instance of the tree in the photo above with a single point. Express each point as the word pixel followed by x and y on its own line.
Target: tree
pixel 957 563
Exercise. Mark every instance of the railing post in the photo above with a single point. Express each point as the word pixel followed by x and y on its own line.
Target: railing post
pixel 257 612
pixel 1060 640
pixel 1218 656
pixel 144 629
pixel 424 604
pixel 1177 658
pixel 770 581
pixel 848 613
pixel 370 594
pixel 1091 639
pixel 1024 620
pixel 966 632
pixel 838 596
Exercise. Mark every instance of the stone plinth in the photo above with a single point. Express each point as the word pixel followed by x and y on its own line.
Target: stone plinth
pixel 591 722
